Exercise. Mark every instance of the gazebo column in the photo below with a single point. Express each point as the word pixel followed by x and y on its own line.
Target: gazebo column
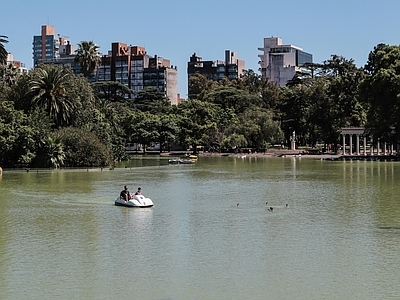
pixel 391 149
pixel 371 149
pixel 351 145
pixel 384 148
pixel 378 148
pixel 344 144
pixel 365 145
pixel 357 144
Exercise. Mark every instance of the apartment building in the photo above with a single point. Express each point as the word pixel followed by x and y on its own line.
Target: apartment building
pixel 134 68
pixel 231 67
pixel 51 48
pixel 279 63
pixel 129 65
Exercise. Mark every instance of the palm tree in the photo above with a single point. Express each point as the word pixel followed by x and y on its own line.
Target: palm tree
pixel 48 88
pixel 54 152
pixel 88 57
pixel 3 51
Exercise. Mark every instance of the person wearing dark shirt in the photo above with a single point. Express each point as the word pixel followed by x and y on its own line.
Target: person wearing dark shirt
pixel 125 194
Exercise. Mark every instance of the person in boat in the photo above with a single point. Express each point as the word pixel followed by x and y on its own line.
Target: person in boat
pixel 139 191
pixel 125 194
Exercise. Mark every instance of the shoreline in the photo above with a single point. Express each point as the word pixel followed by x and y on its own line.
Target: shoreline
pixel 270 153
pixel 292 153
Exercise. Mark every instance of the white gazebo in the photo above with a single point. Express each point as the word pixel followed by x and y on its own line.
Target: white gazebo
pixel 359 132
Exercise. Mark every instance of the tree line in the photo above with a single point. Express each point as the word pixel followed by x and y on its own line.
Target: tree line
pixel 53 118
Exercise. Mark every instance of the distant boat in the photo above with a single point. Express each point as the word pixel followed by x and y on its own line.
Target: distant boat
pixel 181 161
pixel 189 156
pixel 174 161
pixel 186 161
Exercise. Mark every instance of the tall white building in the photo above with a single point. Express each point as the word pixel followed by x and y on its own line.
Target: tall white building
pixel 279 63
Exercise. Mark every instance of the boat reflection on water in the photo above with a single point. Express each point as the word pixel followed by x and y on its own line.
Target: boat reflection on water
pixel 139 219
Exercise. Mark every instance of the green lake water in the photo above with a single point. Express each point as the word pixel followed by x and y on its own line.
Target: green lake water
pixel 210 234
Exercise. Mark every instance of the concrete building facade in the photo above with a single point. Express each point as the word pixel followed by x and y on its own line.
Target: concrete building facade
pixel 134 68
pixel 231 67
pixel 279 63
pixel 129 65
pixel 50 47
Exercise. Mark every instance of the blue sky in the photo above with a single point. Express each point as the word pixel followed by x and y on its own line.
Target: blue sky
pixel 175 29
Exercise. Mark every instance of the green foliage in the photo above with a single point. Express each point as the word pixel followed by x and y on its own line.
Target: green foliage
pixel 85 112
pixel 168 130
pixel 83 148
pixel 49 89
pixel 231 97
pixel 197 120
pixel 20 134
pixel 52 118
pixel 19 93
pixel 259 128
pixel 50 154
pixel 380 90
pixel 344 80
pixel 319 106
pixel 8 74
pixel 88 57
pixel 151 100
pixel 142 128
pixel 111 90
pixel 5 92
pixel 200 86
pixel 234 141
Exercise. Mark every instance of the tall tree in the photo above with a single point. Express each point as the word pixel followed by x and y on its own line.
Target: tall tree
pixel 251 82
pixel 197 120
pixel 259 128
pixel 151 100
pixel 48 88
pixel 231 97
pixel 88 57
pixel 142 128
pixel 296 112
pixel 380 91
pixel 3 51
pixel 200 86
pixel 344 79
pixel 168 130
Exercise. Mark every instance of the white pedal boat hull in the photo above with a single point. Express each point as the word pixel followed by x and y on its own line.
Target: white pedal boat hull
pixel 136 201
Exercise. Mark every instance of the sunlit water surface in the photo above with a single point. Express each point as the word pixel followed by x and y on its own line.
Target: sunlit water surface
pixel 210 234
